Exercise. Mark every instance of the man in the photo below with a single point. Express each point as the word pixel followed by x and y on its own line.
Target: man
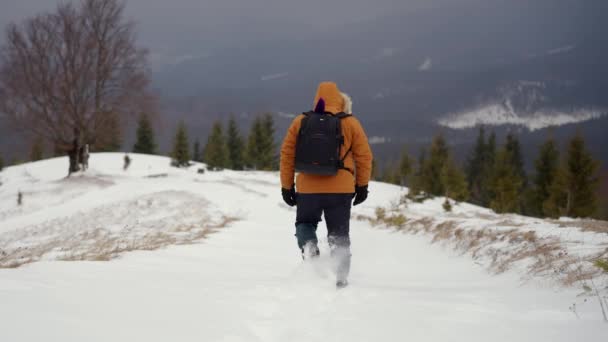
pixel 327 181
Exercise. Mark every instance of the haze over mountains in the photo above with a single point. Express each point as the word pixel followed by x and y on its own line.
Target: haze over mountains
pixel 412 67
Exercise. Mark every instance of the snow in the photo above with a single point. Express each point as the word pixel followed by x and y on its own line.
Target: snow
pixel 227 266
pixel 501 114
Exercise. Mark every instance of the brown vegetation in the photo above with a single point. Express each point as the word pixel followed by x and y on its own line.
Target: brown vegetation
pixel 101 245
pixel 503 246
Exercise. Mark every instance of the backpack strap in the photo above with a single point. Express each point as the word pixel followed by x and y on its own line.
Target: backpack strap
pixel 341 165
pixel 341 116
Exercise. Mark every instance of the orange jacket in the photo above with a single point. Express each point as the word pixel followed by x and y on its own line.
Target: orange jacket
pixel 360 158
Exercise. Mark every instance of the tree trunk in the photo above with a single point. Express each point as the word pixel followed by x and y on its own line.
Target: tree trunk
pixel 569 203
pixel 74 154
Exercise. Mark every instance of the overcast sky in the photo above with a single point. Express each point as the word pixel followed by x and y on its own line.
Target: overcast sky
pixel 216 21
pixel 180 29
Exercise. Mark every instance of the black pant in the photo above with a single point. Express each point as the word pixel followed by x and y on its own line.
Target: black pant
pixel 336 209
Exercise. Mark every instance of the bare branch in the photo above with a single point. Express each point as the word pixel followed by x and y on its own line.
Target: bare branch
pixel 73 71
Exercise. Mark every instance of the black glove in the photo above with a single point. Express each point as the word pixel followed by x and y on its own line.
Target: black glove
pixel 360 194
pixel 289 196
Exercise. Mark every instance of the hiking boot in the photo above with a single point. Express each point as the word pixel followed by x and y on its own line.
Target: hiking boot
pixel 310 251
pixel 340 284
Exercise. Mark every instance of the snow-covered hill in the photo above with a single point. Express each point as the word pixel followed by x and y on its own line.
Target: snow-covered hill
pixel 504 114
pixel 157 253
pixel 530 104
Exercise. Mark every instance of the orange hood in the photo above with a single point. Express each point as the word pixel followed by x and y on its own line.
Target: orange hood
pixel 329 92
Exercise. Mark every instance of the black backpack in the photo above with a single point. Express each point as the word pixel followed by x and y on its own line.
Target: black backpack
pixel 318 144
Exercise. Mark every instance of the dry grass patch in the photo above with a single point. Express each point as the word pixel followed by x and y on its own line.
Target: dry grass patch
pixel 112 247
pixel 586 225
pixel 504 248
pixel 149 222
pixel 444 231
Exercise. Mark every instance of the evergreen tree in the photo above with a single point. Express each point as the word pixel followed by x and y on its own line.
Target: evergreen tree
pixel 487 170
pixel 181 150
pixel 479 168
pixel 1 163
pixel 196 151
pixel 491 149
pixel 546 166
pixel 261 148
pixel 505 184
pixel 405 167
pixel 37 150
pixel 216 151
pixel 391 174
pixel 573 190
pixel 475 168
pixel 253 144
pixel 416 187
pixel 431 170
pixel 235 146
pixel 514 148
pixel 145 137
pixel 559 199
pixel 454 181
pixel 268 151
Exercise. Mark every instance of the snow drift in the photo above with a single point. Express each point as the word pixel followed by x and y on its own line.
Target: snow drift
pixel 212 257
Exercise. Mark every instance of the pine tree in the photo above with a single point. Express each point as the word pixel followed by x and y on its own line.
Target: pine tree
pixel 546 166
pixel 573 190
pixel 416 187
pixel 235 146
pixel 37 150
pixel 487 171
pixel 1 163
pixel 391 174
pixel 491 148
pixel 505 184
pixel 253 144
pixel 405 167
pixel 431 171
pixel 181 150
pixel 454 181
pixel 261 148
pixel 145 137
pixel 216 151
pixel 514 148
pixel 558 203
pixel 475 168
pixel 268 150
pixel 196 151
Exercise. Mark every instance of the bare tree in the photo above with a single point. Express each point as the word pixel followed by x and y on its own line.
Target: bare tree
pixel 67 75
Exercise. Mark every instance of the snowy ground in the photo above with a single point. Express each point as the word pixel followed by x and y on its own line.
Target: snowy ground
pixel 212 257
